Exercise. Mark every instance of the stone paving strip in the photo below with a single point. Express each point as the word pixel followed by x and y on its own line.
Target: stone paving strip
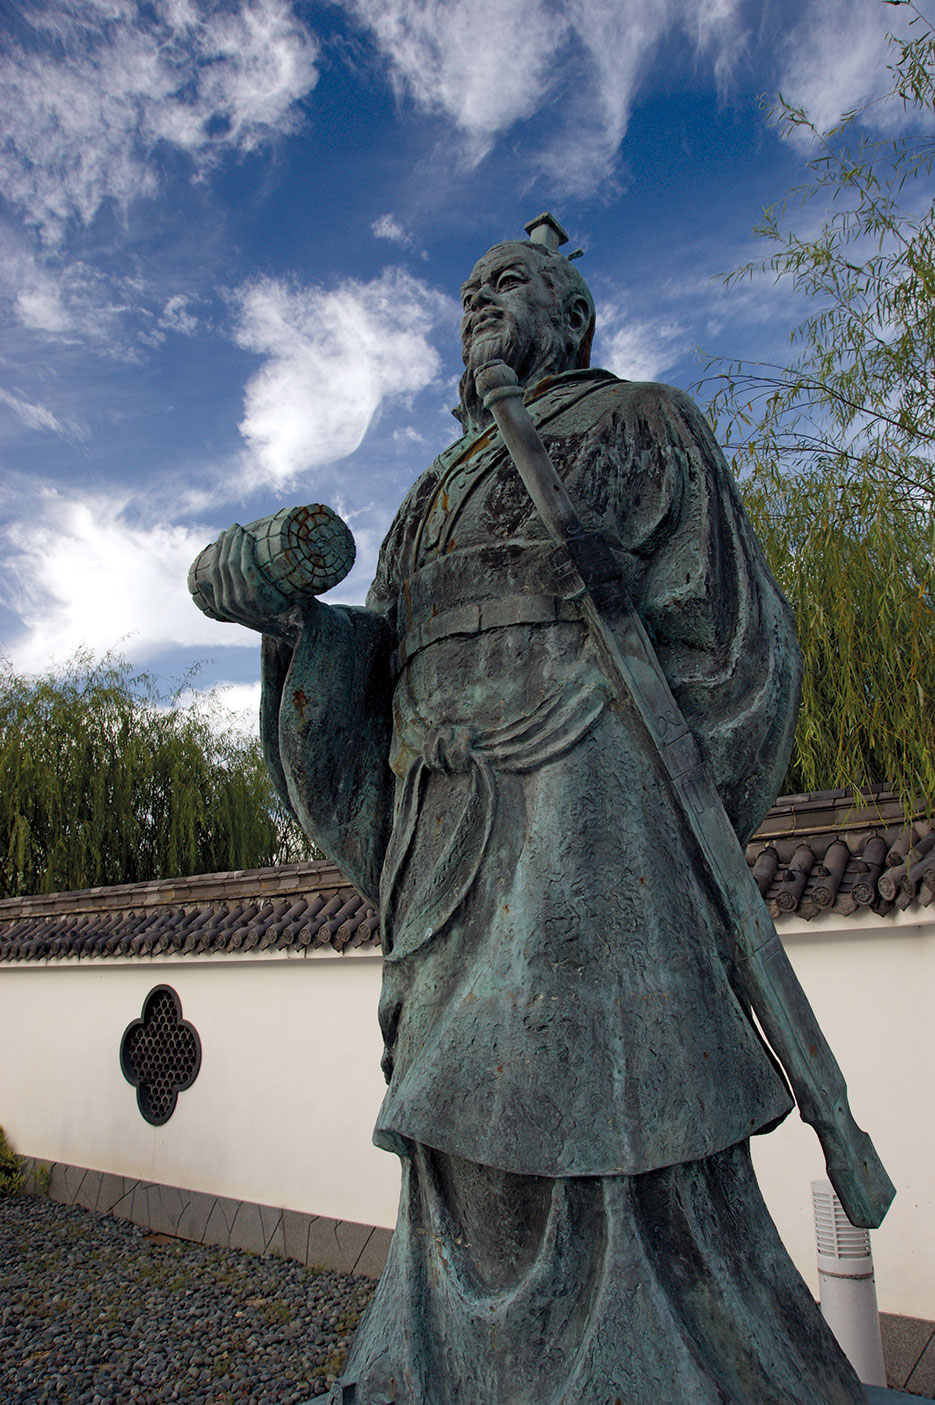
pixel 94 1309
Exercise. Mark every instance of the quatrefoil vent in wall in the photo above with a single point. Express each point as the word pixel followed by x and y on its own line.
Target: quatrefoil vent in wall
pixel 160 1054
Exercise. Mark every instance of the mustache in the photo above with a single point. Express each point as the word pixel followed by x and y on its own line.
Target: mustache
pixel 494 319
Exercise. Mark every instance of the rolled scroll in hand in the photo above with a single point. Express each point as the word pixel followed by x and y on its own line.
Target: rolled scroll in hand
pixel 254 574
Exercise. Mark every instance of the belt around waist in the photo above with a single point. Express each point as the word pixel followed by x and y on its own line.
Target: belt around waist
pixel 485 615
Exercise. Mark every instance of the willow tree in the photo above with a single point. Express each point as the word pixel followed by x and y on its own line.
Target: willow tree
pixel 104 781
pixel 835 451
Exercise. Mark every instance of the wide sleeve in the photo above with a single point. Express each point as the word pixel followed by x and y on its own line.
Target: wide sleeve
pixel 722 630
pixel 325 722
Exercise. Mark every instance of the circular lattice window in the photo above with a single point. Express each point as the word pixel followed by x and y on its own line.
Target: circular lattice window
pixel 160 1054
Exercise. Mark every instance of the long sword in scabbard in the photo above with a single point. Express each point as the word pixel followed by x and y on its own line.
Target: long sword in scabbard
pixel 764 973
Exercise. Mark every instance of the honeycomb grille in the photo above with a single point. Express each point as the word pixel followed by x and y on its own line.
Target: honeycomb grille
pixel 160 1055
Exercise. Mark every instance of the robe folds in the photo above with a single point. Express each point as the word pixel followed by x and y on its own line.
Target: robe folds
pixel 565 1042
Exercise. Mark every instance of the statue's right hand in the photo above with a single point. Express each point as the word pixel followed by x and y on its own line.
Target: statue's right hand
pixel 230 586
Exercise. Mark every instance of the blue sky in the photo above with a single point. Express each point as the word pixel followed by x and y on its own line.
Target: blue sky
pixel 232 235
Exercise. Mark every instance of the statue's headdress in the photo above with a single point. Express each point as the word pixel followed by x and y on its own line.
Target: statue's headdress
pixel 546 230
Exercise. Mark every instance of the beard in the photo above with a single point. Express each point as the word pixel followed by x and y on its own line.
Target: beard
pixel 496 340
pixel 503 339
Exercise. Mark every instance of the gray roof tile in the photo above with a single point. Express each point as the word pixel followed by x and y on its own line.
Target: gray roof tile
pixel 296 907
pixel 830 850
pixel 812 853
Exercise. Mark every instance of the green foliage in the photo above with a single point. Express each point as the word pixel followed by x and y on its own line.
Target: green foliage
pixel 104 781
pixel 835 452
pixel 858 569
pixel 11 1168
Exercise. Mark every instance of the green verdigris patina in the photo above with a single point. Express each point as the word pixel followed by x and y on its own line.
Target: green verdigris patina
pixel 573 1071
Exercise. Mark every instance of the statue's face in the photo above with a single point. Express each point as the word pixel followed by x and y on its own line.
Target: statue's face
pixel 508 308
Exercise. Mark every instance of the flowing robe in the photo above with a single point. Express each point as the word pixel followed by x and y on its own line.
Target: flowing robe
pixel 564 1037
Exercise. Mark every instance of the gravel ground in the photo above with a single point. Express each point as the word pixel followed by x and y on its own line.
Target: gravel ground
pixel 95 1309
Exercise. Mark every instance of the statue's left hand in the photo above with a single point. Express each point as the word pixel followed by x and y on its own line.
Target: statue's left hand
pixel 234 589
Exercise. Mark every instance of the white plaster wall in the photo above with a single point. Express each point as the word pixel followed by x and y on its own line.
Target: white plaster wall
pixel 871 982
pixel 282 1109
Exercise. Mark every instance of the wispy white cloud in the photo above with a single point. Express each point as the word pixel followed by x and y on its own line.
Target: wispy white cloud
pixel 228 707
pixel 35 416
pixel 332 357
pixel 100 83
pixel 483 62
pixel 177 317
pixel 828 75
pixel 488 64
pixel 105 570
pixel 79 571
pixel 408 435
pixel 66 300
pixel 389 227
pixel 70 301
pixel 612 47
pixel 638 349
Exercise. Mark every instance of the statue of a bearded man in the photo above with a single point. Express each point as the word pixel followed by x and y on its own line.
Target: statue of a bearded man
pixel 573 1070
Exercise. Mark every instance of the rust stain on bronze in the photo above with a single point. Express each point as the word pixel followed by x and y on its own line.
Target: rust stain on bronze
pixel 479 444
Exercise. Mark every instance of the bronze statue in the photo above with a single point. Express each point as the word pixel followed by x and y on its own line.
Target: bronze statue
pixel 573 669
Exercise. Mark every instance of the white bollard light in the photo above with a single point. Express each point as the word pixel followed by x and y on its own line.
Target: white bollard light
pixel 846 1285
